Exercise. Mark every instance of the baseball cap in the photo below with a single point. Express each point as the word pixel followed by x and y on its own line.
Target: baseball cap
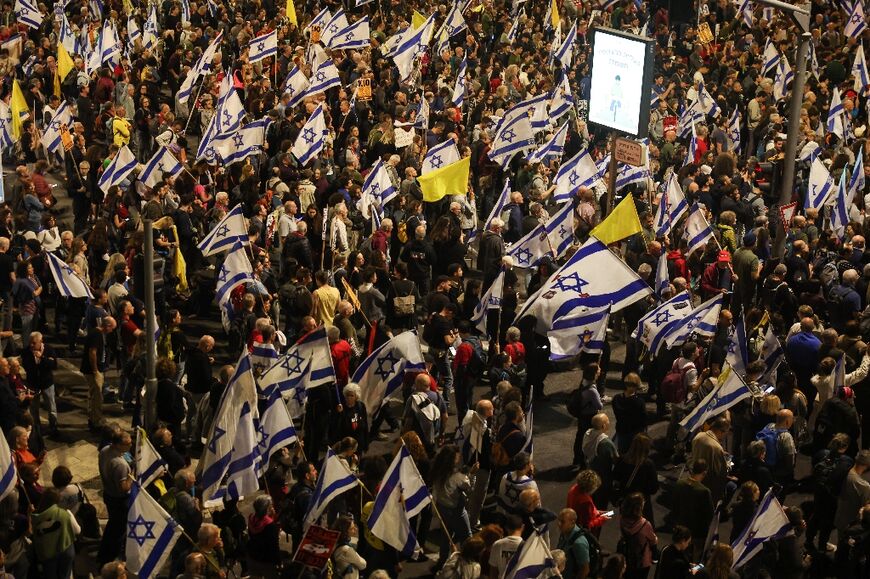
pixel 750 238
pixel 724 257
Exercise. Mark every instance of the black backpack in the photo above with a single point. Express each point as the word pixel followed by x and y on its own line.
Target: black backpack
pixel 826 478
pixel 594 552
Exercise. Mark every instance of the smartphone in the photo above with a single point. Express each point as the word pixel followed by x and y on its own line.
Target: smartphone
pixel 608 513
pixel 697 568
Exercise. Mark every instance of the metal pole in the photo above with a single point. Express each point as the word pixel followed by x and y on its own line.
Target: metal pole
pixel 611 178
pixel 794 117
pixel 150 413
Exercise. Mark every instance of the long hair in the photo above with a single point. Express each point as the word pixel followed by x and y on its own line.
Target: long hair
pixel 444 464
pixel 719 562
pixel 639 449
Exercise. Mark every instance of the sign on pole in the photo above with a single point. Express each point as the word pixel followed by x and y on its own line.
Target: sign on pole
pixel 316 547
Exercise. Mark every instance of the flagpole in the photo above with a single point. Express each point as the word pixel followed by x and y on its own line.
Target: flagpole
pixel 150 415
pixel 441 520
pixel 195 103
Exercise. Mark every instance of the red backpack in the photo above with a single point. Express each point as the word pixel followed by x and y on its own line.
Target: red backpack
pixel 673 387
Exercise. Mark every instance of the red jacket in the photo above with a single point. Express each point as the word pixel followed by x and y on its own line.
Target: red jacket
pixel 588 516
pixel 380 241
pixel 340 351
pixel 677 261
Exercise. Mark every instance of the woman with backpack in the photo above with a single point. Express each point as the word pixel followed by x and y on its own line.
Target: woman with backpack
pixel 639 540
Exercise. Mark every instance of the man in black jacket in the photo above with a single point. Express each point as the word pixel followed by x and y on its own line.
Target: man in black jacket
pixel 199 370
pixel 39 362
pixel 490 253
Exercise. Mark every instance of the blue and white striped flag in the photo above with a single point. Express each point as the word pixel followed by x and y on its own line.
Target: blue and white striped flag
pixel 162 163
pixel 440 156
pixel 232 229
pixel 551 238
pixel 514 31
pixel 565 53
pixel 809 152
pixel 263 46
pixel 202 66
pixel 454 23
pixel 840 210
pixel 334 25
pixel 671 208
pixel 706 103
pixel 307 364
pixel 27 66
pixel 335 479
pixel 734 122
pixel 770 58
pixel 783 78
pixel 768 524
pixel 421 121
pixel 378 185
pixel 656 325
pixel 296 85
pixel 242 143
pixel 412 44
pixel 772 355
pixel 150 31
pixel 401 497
pixel 578 171
pixel 96 8
pixel 513 138
pixel 458 97
pixel 502 200
pixel 322 19
pixel 355 36
pixel 68 282
pixel 275 429
pixel 148 463
pixel 236 269
pixel 263 357
pixel 244 465
pixel 701 321
pixel 533 557
pixel 663 278
pixel 490 300
pixel 697 231
pixel 737 355
pixel 185 11
pixel 745 10
pixel 692 150
pixel 861 84
pixel 857 23
pixel 552 147
pixel 8 473
pixel 325 78
pixel 150 534
pixel 26 13
pixel 118 169
pixel 584 331
pixel 51 135
pixel 730 389
pixel 857 180
pixel 834 123
pixel 312 137
pixel 134 33
pixel 380 375
pixel 819 187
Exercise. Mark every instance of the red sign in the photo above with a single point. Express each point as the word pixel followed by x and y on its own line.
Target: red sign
pixel 786 213
pixel 316 547
pixel 669 124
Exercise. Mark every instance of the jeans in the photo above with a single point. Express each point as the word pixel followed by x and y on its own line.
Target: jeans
pixel 445 373
pixel 114 534
pixel 47 398
pixel 59 567
pixel 458 525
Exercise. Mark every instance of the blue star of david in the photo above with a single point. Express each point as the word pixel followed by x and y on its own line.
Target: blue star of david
pixel 573 178
pixel 299 395
pixel 333 29
pixel 293 363
pixel 229 118
pixel 711 407
pixel 320 76
pixel 264 436
pixel 308 136
pixel 814 186
pixel 524 255
pixel 222 231
pixel 238 139
pixel 587 335
pixel 224 274
pixel 576 285
pixel 732 347
pixel 291 91
pixel 261 47
pixel 855 18
pixel 386 365
pixel 55 126
pixel 750 537
pixel 509 135
pixel 436 161
pixel 348 37
pixel 68 269
pixel 210 153
pixel 218 432
pixel 562 231
pixel 662 317
pixel 512 492
pixel 160 167
pixel 134 525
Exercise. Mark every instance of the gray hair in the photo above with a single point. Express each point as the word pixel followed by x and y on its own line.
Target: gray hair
pixel 333 334
pixel 496 223
pixel 262 504
pixel 386 224
pixel 420 232
pixel 513 334
pixel 756 448
pixel 352 388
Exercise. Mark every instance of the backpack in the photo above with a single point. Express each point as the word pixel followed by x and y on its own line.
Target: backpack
pixel 427 427
pixel 770 435
pixel 402 232
pixel 838 305
pixel 236 337
pixel 823 476
pixel 628 548
pixel 829 275
pixel 478 363
pixel 594 551
pixel 164 345
pixel 575 403
pixel 169 501
pixel 673 387
pixel 498 455
pixel 365 248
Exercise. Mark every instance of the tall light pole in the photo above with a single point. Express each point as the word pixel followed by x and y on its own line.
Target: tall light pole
pixel 800 15
pixel 149 410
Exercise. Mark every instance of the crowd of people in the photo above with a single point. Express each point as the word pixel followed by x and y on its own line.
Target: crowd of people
pixel 322 254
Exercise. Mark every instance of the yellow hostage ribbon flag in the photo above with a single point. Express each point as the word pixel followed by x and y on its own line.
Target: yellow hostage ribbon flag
pixel 64 62
pixel 291 13
pixel 19 108
pixel 417 20
pixel 449 180
pixel 621 223
pixel 554 14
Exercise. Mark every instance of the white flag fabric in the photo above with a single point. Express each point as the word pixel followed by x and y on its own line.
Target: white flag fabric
pixel 770 58
pixel 335 479
pixel 513 138
pixel 440 156
pixel 411 46
pixel 203 65
pixel 454 23
pixel 242 143
pixel 264 46
pixel 149 464
pixel 772 355
pixel 324 78
pixel 307 364
pixel 312 137
pixel 322 19
pixel 231 230
pixel 69 283
pixel 276 429
pixel 552 147
pixel 768 524
pixel 857 180
pixel 734 122
pixel 565 53
pixel 491 300
pixel 671 208
pixel 861 84
pixel 531 560
pixel 244 463
pixel 458 97
pixel 809 151
pixel 783 78
pixel 378 186
pixel 27 14
pixel 730 389
pixel 834 123
pixel 8 473
pixel 840 210
pixel 857 23
pixel 217 454
pixel 578 171
pixel 551 238
pixel 702 321
pixel 697 231
pixel 579 283
pixel 333 26
pixel 150 534
pixel 380 375
pixel 663 278
pixel 502 200
pixel 355 36
pixel 561 99
pixel 737 355
pixel 402 495
pixel 820 186
pixel 51 135
pixel 655 325
pixel 118 169
pixel 296 85
pixel 236 269
pixel 580 332
pixel 163 162
pixel 150 30
pixel 263 356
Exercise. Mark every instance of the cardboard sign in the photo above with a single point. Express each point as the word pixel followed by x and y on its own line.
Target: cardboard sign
pixel 628 151
pixel 315 34
pixel 787 213
pixel 66 138
pixel 316 547
pixel 670 123
pixel 364 89
pixel 705 36
pixel 403 137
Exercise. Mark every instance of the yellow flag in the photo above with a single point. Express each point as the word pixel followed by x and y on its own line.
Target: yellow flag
pixel 554 14
pixel 417 20
pixel 56 85
pixel 449 180
pixel 19 108
pixel 621 223
pixel 291 12
pixel 64 62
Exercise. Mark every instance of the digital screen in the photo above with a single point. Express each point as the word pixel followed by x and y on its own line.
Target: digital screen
pixel 621 81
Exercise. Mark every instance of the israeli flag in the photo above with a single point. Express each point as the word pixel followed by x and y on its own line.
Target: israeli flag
pixel 307 364
pixel 656 325
pixel 454 23
pixel 820 186
pixel 51 135
pixel 243 142
pixel 412 44
pixel 335 479
pixel 378 185
pixel 26 13
pixel 701 322
pixel 276 429
pixel 163 162
pixel 514 31
pixel 772 355
pixel 421 121
pixel 663 278
pixel 706 103
pixel 770 58
pixel 71 42
pixel 580 332
pixel 96 9
pixel 730 389
pixel 235 270
pixel 244 465
pixel 355 36
pixel 336 24
pixel 68 282
pixel 734 122
pixel 321 20
pixel 185 11
pixel 809 152
pixel 8 473
pixel 671 208
pixel 150 534
pixel 118 169
pixel 690 115
pixel 502 200
pixel 834 123
pixel 521 110
pixel 859 72
pixel 401 497
pixel 745 10
pixel 697 231
pixel 230 110
pixel 579 283
pixel 857 23
pixel 202 65
pixel 814 61
pixel 440 156
pixel 628 174
pixel 840 210
pixel 578 171
pixel 458 97
pixel 232 229
pixel 533 557
pixel 312 138
pixel 490 300
pixel 133 31
pixel 148 463
pixel 693 148
pixel 262 357
pixel 783 78
pixel 325 78
pixel 857 180
pixel 150 32
pixel 768 524
pixel 380 375
pixel 552 147
pixel 296 85
pixel 551 238
pixel 565 53
pixel 110 45
pixel 514 138
pixel 263 46
pixel 443 44
pixel 217 454
pixel 737 355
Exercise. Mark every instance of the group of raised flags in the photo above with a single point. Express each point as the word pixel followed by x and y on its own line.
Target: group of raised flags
pixel 553 238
